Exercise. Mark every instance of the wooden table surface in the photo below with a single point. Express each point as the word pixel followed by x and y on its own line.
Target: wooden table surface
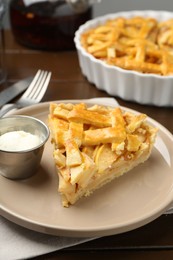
pixel 152 241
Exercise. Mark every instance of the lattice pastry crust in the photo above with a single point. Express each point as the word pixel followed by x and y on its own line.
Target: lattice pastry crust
pixel 138 43
pixel 93 145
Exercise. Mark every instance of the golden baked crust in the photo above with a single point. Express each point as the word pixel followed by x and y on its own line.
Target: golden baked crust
pixel 137 43
pixel 93 145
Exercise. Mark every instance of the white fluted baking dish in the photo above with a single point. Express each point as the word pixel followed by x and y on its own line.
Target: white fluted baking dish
pixel 148 89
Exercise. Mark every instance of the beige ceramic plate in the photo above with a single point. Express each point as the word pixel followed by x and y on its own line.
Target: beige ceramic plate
pixel 125 204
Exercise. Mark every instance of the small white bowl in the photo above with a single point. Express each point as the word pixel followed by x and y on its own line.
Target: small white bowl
pixel 148 89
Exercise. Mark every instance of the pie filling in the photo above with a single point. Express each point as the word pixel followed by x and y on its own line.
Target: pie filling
pixel 93 145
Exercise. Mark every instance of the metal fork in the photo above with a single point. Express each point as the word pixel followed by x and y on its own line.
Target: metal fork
pixel 33 94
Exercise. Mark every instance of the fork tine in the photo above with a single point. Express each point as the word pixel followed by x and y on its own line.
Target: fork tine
pixel 32 84
pixel 41 89
pixel 38 85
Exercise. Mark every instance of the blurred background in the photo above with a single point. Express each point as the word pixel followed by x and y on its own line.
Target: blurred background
pixel 112 6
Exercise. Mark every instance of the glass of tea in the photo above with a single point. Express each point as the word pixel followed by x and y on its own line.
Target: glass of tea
pixel 46 25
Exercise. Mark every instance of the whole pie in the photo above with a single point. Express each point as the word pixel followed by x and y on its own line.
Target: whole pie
pixel 138 43
pixel 95 144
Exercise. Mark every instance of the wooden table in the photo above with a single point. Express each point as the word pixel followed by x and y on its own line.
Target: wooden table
pixel 152 241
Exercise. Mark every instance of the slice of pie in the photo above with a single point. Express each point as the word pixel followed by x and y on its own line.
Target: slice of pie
pixel 93 145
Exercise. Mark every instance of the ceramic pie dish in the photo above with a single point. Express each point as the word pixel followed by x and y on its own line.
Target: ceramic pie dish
pixel 130 85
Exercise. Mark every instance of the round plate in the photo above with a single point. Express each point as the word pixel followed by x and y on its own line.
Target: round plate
pixel 126 203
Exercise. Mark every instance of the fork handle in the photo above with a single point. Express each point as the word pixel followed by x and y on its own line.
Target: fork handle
pixel 7 109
